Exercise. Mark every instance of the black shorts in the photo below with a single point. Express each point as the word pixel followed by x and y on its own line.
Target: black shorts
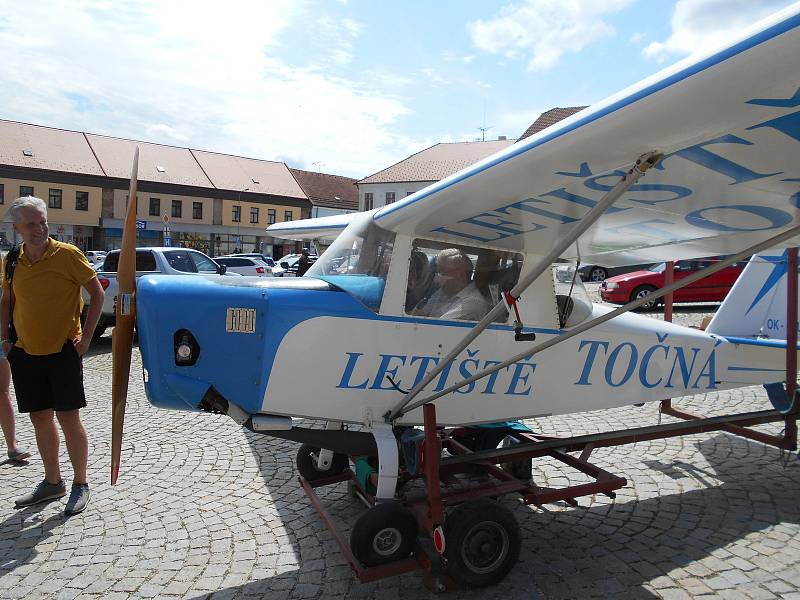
pixel 50 381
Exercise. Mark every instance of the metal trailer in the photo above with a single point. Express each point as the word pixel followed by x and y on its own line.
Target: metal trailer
pixel 460 535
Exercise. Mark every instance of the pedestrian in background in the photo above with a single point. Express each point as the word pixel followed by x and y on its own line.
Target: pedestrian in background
pixel 16 453
pixel 45 358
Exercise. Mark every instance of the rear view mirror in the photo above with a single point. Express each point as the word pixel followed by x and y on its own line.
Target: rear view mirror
pixel 284 265
pixel 221 269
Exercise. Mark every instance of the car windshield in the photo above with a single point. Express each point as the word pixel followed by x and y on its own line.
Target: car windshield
pixel 358 261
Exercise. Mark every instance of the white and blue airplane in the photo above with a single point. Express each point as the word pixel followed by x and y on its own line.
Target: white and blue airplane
pixel 701 159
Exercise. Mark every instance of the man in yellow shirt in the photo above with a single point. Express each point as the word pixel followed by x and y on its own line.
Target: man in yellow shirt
pixel 45 360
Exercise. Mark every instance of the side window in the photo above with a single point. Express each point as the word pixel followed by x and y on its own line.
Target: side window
pixel 458 282
pixel 203 263
pixel 180 261
pixel 145 261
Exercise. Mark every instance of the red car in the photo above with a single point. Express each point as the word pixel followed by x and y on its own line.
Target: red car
pixel 624 288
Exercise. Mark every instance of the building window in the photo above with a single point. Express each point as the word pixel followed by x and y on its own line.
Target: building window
pixel 287 215
pixel 81 200
pixel 54 198
pixel 254 214
pixel 2 193
pixel 389 197
pixel 177 208
pixel 25 190
pixel 367 200
pixel 197 210
pixel 155 207
pixel 237 214
pixel 271 216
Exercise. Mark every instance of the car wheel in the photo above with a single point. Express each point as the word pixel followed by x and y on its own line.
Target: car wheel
pixel 597 274
pixel 641 292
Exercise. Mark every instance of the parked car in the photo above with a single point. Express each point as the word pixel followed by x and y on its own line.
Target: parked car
pixel 288 265
pixel 96 257
pixel 167 261
pixel 245 265
pixel 267 259
pixel 631 286
pixel 597 273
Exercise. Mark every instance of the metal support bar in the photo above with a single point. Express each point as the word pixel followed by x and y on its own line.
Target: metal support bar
pixel 778 441
pixel 431 457
pixel 644 162
pixel 718 266
pixel 791 342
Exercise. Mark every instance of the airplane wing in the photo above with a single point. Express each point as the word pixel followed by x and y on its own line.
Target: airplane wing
pixel 727 123
pixel 308 229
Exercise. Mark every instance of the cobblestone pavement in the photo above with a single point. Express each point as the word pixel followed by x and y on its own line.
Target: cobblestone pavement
pixel 206 509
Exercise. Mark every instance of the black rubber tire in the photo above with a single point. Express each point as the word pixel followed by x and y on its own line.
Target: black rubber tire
pixel 307 463
pixel 482 543
pixel 385 533
pixel 597 274
pixel 643 290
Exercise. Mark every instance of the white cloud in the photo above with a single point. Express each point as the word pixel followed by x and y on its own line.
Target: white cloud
pixel 203 74
pixel 699 25
pixel 545 29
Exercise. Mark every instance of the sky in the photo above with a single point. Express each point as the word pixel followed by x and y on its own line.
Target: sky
pixel 347 87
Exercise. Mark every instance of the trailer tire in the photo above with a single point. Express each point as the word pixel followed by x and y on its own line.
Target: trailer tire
pixel 385 533
pixel 483 543
pixel 307 463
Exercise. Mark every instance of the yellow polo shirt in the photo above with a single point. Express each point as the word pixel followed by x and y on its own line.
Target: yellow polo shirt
pixel 47 297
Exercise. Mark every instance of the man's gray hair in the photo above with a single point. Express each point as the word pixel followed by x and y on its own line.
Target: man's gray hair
pixel 457 257
pixel 25 202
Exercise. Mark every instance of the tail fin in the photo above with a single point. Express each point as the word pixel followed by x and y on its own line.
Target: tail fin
pixel 756 304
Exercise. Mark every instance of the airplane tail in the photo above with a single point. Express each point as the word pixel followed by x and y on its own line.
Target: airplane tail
pixel 756 305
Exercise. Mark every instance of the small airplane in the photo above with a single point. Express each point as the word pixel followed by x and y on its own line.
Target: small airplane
pixel 698 160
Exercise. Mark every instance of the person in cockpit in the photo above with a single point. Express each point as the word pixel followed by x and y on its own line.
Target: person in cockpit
pixel 457 296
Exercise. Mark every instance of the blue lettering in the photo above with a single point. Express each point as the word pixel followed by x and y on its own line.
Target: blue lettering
pixel 526 206
pixel 348 373
pixel 424 361
pixel 517 377
pixel 491 379
pixel 787 124
pixel 709 370
pixel 612 360
pixel 583 171
pixel 676 191
pixel 705 158
pixel 384 370
pixel 466 373
pixel 592 354
pixel 776 218
pixel 646 363
pixel 686 371
pixel 563 194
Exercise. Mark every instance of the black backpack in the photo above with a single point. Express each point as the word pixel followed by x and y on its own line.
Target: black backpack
pixel 11 263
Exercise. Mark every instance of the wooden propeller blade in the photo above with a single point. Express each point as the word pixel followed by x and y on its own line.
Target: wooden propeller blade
pixel 122 337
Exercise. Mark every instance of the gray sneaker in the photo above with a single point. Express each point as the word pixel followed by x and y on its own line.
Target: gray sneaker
pixel 78 499
pixel 18 454
pixel 42 492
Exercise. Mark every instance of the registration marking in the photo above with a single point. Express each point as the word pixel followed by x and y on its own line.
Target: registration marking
pixel 240 320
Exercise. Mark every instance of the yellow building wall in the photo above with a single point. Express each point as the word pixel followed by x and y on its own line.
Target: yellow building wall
pixel 66 215
pixel 143 207
pixel 280 209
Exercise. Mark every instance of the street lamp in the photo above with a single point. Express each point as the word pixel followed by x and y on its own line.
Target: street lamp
pixel 239 221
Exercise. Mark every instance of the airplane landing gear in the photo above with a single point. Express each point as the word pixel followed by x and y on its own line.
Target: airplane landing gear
pixel 385 533
pixel 308 464
pixel 483 542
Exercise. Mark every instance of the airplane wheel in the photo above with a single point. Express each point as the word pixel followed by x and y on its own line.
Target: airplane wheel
pixel 641 292
pixel 482 543
pixel 307 463
pixel 598 274
pixel 386 533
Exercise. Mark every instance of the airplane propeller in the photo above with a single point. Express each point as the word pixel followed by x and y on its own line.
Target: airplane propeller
pixel 122 337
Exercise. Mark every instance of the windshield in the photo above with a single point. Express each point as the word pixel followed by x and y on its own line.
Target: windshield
pixel 358 261
pixel 573 304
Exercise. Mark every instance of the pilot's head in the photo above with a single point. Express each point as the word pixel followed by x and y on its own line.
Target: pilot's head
pixel 454 269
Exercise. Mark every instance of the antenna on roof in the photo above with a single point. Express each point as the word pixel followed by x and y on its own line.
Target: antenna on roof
pixel 485 127
pixel 318 164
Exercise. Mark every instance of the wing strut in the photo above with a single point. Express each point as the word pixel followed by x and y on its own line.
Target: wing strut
pixel 643 163
pixel 771 242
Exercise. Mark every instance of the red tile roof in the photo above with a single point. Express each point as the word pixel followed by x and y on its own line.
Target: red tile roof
pixel 37 147
pixel 329 191
pixel 437 162
pixel 550 117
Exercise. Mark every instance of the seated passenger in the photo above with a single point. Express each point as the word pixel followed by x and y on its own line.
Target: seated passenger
pixel 457 297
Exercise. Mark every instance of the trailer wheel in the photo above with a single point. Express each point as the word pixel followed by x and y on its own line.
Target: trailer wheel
pixel 307 463
pixel 386 533
pixel 483 543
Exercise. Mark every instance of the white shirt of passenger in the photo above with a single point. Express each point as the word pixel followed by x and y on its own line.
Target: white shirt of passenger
pixel 468 304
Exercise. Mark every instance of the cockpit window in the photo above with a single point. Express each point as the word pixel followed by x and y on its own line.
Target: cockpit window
pixel 358 261
pixel 458 282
